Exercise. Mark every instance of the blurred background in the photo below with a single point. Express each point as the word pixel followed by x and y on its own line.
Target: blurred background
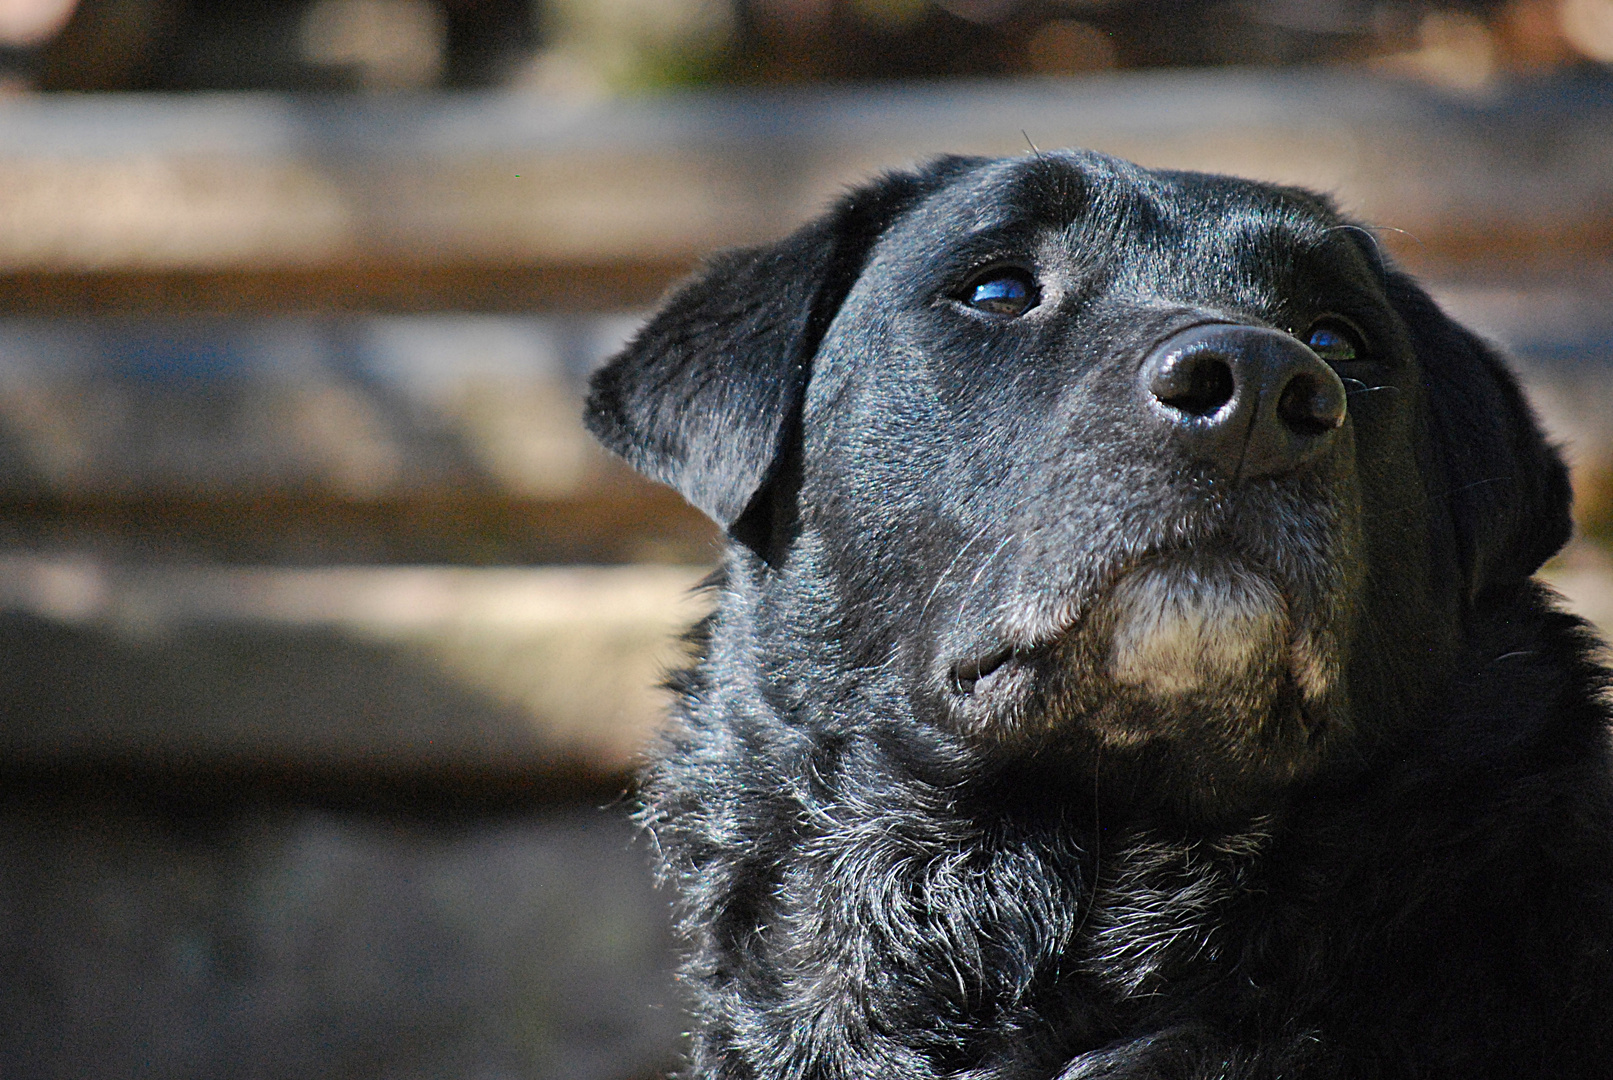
pixel 329 638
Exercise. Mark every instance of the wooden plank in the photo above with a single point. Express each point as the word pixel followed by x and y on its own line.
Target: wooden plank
pixel 635 521
pixel 502 202
pixel 622 284
pixel 498 681
pixel 377 440
pixel 384 439
pixel 399 684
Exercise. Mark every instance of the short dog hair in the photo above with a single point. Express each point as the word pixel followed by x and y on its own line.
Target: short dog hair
pixel 1125 662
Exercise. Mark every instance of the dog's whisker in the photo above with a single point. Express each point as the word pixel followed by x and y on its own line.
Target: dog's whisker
pixel 1479 483
pixel 1401 508
pixel 1353 387
pixel 952 564
pixel 963 600
pixel 1010 538
pixel 1380 262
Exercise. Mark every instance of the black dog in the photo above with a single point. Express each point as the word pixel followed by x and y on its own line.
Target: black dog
pixel 1126 663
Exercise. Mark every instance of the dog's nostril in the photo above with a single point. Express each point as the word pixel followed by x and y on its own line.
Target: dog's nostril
pixel 1196 383
pixel 1310 405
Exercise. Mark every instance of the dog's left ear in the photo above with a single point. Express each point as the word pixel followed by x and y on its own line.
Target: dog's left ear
pixel 1506 486
pixel 705 397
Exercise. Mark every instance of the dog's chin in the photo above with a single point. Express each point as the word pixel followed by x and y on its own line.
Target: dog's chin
pixel 1206 654
pixel 1178 629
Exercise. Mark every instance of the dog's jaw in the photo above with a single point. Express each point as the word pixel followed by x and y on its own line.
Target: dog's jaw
pixel 1179 628
pixel 1198 656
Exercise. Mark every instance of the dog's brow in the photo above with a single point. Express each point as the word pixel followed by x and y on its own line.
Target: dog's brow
pixel 984 242
pixel 1379 263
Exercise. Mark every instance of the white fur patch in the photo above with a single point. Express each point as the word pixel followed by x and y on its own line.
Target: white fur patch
pixel 1158 905
pixel 1177 629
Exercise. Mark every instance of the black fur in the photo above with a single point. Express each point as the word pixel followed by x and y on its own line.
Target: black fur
pixel 930 807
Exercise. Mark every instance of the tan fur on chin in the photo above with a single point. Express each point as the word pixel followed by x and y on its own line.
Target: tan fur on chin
pixel 1178 629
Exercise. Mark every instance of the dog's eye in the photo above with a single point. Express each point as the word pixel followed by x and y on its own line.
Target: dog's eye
pixel 1004 293
pixel 1335 341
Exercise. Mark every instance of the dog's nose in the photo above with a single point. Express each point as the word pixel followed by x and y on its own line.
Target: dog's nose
pixel 1252 401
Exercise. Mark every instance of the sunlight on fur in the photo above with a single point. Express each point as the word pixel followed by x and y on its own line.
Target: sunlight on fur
pixel 1177 629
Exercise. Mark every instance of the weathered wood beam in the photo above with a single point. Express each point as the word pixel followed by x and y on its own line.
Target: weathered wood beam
pixel 509 203
pixel 447 679
pixel 621 284
pixel 631 522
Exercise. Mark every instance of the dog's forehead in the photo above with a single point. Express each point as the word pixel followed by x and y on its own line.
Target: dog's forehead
pixel 1097 202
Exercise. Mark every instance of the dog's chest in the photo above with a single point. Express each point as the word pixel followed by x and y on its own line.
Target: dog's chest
pixel 1159 911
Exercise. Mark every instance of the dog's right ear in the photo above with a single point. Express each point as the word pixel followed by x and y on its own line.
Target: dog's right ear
pixel 705 397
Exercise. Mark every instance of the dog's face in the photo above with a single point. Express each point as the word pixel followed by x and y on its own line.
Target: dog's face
pixel 1057 453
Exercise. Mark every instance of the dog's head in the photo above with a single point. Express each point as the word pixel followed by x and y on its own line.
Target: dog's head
pixel 1061 452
